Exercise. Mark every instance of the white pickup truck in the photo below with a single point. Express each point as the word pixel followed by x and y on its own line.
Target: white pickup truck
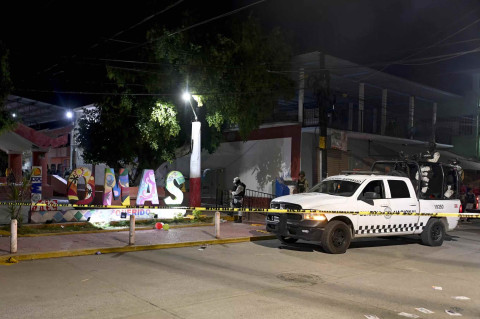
pixel 342 197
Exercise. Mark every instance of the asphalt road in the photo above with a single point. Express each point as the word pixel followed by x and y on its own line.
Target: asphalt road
pixel 380 277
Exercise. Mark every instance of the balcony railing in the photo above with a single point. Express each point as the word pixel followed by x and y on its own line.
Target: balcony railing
pixel 396 123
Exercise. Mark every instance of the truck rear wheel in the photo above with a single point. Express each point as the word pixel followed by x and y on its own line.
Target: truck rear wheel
pixel 287 240
pixel 434 233
pixel 336 237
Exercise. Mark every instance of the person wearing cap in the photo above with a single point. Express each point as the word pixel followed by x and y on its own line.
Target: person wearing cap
pixel 238 192
pixel 302 183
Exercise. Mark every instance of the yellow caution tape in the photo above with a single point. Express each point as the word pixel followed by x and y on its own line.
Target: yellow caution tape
pixel 254 210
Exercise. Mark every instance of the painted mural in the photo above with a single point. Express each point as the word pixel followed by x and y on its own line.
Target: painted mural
pixel 101 215
pixel 36 181
pixel 112 188
pixel 147 191
pixel 46 205
pixel 124 187
pixel 172 177
pixel 81 172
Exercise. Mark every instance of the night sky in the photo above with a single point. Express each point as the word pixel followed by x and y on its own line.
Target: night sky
pixel 56 45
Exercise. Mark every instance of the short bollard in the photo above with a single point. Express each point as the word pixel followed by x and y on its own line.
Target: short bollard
pixel 13 236
pixel 217 224
pixel 131 235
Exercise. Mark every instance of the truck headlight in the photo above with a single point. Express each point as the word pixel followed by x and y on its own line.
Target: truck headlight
pixel 314 216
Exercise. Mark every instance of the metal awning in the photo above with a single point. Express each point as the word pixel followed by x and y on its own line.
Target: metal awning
pixel 346 75
pixel 12 143
pixel 379 138
pixel 32 112
pixel 393 140
pixel 465 163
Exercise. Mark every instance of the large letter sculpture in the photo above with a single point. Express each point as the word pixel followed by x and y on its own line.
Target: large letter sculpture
pixel 110 186
pixel 89 185
pixel 124 187
pixel 116 189
pixel 173 189
pixel 147 191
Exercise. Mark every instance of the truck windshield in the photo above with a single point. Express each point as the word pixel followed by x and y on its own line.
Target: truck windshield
pixel 336 187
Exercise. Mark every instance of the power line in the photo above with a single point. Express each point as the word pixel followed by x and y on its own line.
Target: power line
pixel 425 48
pixel 215 18
pixel 178 31
pixel 139 94
pixel 446 57
pixel 194 25
pixel 120 41
pixel 260 64
pixel 244 66
pixel 123 31
pixel 460 42
pixel 143 21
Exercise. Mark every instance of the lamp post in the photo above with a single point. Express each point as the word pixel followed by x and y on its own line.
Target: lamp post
pixel 195 157
pixel 73 117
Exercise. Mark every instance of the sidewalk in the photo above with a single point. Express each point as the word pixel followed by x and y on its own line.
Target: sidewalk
pixel 86 244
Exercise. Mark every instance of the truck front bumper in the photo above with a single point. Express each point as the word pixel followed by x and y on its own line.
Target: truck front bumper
pixel 293 225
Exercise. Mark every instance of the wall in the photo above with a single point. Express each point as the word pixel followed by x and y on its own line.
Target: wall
pixel 337 162
pixel 67 214
pixel 269 153
pixel 257 163
pixel 61 156
pixel 464 145
pixel 360 154
pixel 307 155
pixel 5 214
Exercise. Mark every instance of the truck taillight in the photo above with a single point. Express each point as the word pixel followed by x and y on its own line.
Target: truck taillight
pixel 460 210
pixel 476 202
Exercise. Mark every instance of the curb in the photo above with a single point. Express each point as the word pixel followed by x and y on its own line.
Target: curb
pixel 104 231
pixel 109 250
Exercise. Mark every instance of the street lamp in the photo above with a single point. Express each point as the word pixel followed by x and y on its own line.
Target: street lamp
pixel 187 97
pixel 195 157
pixel 71 116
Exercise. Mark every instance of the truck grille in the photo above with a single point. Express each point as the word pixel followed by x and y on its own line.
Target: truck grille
pixel 294 216
pixel 285 206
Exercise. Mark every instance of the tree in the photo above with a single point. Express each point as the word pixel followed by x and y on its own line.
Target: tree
pixel 232 75
pixel 118 134
pixel 6 121
pixel 18 193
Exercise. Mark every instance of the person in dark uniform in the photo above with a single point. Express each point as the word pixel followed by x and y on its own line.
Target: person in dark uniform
pixel 302 183
pixel 10 176
pixel 238 193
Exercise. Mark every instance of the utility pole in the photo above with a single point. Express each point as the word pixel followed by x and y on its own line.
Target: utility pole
pixel 322 94
pixel 434 122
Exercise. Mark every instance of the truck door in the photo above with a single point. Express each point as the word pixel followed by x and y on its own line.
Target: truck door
pixel 372 224
pixel 402 198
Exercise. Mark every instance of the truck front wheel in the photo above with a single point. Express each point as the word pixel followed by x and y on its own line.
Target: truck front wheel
pixel 336 237
pixel 434 233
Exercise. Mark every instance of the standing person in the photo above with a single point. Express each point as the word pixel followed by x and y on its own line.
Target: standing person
pixel 302 183
pixel 10 176
pixel 470 199
pixel 238 192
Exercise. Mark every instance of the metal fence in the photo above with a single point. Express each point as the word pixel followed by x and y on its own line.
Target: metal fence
pixel 252 199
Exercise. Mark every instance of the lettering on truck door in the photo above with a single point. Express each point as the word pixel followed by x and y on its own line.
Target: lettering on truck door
pixel 372 224
pixel 402 198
